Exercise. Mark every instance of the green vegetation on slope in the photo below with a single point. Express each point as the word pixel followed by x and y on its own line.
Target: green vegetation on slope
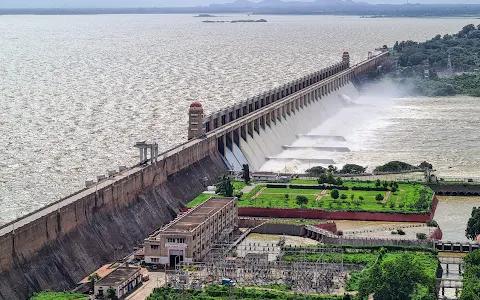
pixel 471 276
pixel 218 292
pixel 58 296
pixel 415 58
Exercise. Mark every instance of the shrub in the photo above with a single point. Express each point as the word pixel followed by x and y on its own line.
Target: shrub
pixel 421 236
pixel 339 232
pixel 334 194
pixel 301 200
pixel 432 223
pixel 394 232
pixel 343 196
pixel 361 198
pixel 400 232
pixel 238 194
pixel 378 183
pixel 379 197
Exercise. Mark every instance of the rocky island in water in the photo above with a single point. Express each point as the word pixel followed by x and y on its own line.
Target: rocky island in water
pixel 237 21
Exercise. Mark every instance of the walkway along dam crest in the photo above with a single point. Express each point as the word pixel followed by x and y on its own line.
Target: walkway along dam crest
pixel 56 246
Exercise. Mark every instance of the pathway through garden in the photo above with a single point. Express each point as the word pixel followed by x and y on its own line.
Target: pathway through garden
pixel 258 193
pixel 386 197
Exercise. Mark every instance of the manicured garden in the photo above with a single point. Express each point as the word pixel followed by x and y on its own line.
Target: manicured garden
pixel 58 296
pixel 219 292
pixel 349 196
pixel 352 196
pixel 386 269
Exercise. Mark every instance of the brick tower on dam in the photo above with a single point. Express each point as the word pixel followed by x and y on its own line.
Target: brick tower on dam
pixel 54 247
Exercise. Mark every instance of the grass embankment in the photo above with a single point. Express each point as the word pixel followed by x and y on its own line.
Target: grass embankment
pixel 404 200
pixel 368 256
pixel 237 186
pixel 218 292
pixel 58 296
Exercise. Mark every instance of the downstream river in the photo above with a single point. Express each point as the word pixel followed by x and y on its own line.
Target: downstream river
pixel 76 92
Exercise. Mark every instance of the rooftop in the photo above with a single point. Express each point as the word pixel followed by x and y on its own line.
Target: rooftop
pixel 118 276
pixel 195 216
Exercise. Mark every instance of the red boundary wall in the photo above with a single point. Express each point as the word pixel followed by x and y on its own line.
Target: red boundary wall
pixel 337 215
pixel 330 226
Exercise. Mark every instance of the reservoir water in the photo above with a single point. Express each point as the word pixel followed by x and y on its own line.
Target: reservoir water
pixel 76 92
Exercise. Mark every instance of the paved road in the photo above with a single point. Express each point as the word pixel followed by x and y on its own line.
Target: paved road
pixel 157 279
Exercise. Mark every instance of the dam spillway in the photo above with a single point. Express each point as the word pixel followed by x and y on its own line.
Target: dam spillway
pixel 55 247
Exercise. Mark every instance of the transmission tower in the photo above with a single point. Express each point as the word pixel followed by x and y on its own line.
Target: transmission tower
pixel 449 65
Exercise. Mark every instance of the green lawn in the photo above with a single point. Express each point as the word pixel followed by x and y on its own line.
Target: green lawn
pixel 403 200
pixel 58 296
pixel 199 199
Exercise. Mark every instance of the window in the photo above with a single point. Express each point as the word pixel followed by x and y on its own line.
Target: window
pixel 181 241
pixel 154 247
pixel 155 260
pixel 170 240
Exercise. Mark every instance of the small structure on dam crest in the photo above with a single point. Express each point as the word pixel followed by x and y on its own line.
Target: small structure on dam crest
pixel 195 120
pixel 190 236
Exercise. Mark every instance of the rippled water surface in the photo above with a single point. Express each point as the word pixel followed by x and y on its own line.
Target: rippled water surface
pixel 76 92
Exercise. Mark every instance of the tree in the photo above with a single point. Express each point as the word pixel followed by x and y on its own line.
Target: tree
pixel 393 189
pixel 379 197
pixel 285 197
pixel 425 165
pixel 393 279
pixel 473 224
pixel 378 183
pixel 361 198
pixel 472 258
pixel 339 181
pixel 330 178
pixel 352 169
pixel 334 194
pixel 385 184
pixel 224 187
pixel 246 174
pixel 110 293
pixel 352 196
pixel 301 200
pixel 322 179
pixel 332 169
pixel 343 196
pixel 93 278
pixel 316 171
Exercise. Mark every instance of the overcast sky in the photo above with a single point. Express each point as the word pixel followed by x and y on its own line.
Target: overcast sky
pixel 162 3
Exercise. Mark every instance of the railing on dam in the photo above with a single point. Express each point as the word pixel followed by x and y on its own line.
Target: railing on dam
pixel 224 116
pixel 309 86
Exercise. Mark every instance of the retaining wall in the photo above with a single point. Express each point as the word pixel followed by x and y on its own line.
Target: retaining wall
pixel 337 215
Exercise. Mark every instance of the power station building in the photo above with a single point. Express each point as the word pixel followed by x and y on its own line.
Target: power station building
pixel 191 235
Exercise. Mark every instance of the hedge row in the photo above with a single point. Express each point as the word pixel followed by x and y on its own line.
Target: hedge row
pixel 366 188
pixel 276 186
pixel 389 248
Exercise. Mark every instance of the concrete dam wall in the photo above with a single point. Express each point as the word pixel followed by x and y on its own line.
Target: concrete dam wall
pixel 55 247
pixel 270 139
pixel 58 249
